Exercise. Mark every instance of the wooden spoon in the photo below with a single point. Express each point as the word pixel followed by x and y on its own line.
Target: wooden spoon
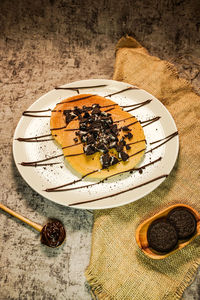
pixel 52 234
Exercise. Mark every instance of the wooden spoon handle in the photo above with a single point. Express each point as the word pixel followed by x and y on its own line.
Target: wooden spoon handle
pixel 21 218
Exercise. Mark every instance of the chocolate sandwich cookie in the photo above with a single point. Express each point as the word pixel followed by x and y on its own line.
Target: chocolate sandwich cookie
pixel 162 236
pixel 184 222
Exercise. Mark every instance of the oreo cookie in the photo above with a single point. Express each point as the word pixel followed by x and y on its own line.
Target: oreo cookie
pixel 162 236
pixel 184 222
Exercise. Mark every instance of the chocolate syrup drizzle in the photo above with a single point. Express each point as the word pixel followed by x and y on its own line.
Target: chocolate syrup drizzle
pixel 81 143
pixel 37 162
pixel 59 128
pixel 36 138
pixel 81 153
pixel 134 106
pixel 87 174
pixel 119 193
pixel 80 87
pixel 29 113
pixel 56 189
pixel 121 91
pixel 166 139
pixel 136 142
pixel 75 100
pixel 72 182
pixel 124 106
pixel 148 122
pixel 124 119
pixel 72 145
pixel 74 129
pixel 76 154
pixel 138 105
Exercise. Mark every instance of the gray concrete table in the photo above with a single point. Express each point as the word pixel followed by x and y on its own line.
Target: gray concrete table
pixel 49 43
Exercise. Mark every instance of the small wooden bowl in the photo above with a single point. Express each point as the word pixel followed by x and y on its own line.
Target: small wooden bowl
pixel 141 233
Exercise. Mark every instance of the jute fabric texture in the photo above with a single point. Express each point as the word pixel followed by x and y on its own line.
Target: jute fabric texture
pixel 118 269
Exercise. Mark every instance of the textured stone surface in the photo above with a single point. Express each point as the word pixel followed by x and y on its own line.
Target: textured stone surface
pixel 49 43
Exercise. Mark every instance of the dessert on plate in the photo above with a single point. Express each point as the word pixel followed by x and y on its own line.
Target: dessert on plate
pixel 97 136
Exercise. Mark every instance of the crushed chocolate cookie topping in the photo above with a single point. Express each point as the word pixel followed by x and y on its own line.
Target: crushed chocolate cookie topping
pixel 125 128
pixel 96 111
pixel 119 147
pixel 90 139
pixel 77 110
pixel 86 115
pixel 114 160
pixel 128 147
pixel 105 160
pixel 99 133
pixel 69 115
pixel 122 141
pixel 86 108
pixel 123 155
pixel 129 135
pixel 108 160
pixel 114 129
pixel 89 149
pixel 102 147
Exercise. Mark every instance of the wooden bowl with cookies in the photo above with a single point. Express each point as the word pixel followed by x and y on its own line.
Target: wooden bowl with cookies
pixel 168 231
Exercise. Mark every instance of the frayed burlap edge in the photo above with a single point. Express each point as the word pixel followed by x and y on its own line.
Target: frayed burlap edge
pixel 97 291
pixel 187 280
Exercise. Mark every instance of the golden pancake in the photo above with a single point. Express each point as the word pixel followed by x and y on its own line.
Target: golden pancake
pixel 77 151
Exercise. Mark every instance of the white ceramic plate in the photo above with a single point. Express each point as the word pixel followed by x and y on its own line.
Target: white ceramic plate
pixel 42 177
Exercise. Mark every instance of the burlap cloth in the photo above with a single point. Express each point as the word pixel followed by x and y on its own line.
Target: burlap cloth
pixel 118 269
